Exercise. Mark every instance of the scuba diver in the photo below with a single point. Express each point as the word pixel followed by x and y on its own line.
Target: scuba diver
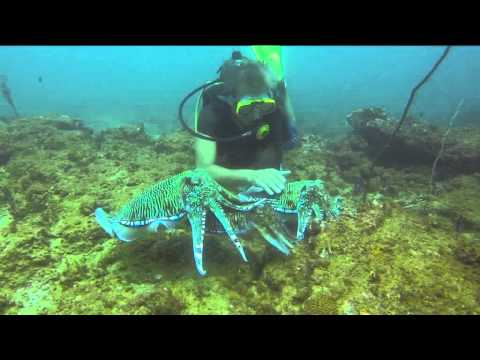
pixel 245 124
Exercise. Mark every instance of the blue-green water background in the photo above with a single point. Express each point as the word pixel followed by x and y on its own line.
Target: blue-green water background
pixel 116 85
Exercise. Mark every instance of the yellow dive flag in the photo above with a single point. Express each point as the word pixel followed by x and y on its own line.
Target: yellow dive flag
pixel 271 55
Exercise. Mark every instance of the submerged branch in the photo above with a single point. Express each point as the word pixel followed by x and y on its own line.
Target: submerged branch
pixel 409 104
pixel 7 95
pixel 442 147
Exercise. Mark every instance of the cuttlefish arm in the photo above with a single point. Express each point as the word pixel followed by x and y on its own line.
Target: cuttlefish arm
pixel 196 216
pixel 304 214
pixel 304 217
pixel 222 217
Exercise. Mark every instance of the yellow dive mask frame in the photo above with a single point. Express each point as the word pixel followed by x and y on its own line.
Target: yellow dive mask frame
pixel 255 106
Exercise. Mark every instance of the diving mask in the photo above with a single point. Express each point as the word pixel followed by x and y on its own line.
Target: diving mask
pixel 252 108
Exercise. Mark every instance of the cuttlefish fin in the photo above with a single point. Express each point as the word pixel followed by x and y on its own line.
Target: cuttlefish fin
pixel 114 228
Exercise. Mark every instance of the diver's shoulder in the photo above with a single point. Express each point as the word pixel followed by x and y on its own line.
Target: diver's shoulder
pixel 213 92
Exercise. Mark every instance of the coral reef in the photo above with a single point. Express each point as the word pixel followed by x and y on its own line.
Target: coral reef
pixel 398 249
pixel 418 142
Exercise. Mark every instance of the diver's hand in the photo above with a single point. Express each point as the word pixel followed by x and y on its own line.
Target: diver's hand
pixel 271 180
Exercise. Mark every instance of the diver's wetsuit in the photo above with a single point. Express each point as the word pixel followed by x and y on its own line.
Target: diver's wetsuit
pixel 217 119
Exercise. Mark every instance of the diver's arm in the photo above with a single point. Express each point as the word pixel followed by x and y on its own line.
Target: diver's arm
pixel 230 176
pixel 271 180
pixel 206 151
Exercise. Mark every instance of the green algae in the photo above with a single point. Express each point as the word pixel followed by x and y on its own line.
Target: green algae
pixel 397 251
pixel 5 218
pixel 37 298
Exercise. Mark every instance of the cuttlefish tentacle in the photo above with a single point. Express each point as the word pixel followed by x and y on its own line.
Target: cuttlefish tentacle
pixel 279 245
pixel 227 195
pixel 282 237
pixel 244 207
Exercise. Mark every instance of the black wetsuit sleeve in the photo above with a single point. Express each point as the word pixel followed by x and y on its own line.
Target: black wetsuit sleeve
pixel 208 122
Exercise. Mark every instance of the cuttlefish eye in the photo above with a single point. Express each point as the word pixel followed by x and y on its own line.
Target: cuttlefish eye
pixel 194 180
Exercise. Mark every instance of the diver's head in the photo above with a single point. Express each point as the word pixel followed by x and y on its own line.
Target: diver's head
pixel 249 83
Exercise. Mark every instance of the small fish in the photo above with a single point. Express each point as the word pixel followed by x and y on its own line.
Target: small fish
pixel 40 79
